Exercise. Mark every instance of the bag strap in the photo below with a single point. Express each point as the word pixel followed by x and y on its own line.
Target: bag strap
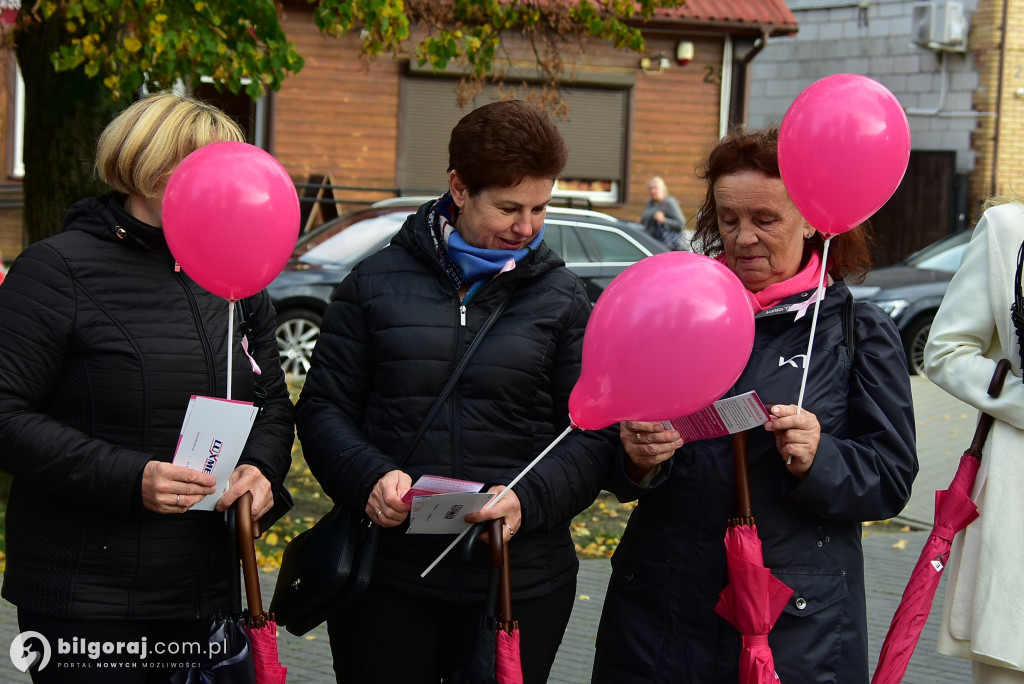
pixel 1017 307
pixel 849 326
pixel 463 362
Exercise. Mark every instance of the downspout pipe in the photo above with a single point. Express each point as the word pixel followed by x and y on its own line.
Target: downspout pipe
pixel 739 88
pixel 999 101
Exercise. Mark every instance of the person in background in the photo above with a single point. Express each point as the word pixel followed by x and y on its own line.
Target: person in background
pixel 815 474
pixel 104 341
pixel 971 333
pixel 397 326
pixel 662 217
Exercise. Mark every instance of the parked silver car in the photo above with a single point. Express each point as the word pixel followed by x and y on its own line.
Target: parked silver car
pixel 595 245
pixel 911 291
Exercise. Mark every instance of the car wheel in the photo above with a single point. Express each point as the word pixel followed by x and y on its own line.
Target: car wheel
pixel 914 339
pixel 297 333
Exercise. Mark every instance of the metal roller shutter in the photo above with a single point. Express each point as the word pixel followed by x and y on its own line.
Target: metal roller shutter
pixel 595 130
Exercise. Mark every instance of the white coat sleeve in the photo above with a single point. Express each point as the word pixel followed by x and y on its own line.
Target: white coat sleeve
pixel 972 330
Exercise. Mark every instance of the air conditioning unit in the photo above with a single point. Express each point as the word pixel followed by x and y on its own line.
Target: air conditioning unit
pixel 939 25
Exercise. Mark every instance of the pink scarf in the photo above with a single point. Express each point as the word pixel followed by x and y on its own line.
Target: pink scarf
pixel 805 279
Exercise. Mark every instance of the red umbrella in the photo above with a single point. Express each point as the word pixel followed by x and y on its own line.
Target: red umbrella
pixel 754 597
pixel 954 510
pixel 260 625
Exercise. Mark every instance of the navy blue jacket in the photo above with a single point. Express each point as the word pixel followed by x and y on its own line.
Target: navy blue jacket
pixel 102 342
pixel 659 623
pixel 390 339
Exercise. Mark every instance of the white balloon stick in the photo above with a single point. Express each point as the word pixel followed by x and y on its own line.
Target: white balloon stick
pixel 496 499
pixel 819 295
pixel 231 334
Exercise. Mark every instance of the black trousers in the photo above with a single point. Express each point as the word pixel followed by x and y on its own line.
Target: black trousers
pixel 389 637
pixel 87 651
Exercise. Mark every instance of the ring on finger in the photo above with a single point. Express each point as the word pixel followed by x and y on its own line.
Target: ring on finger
pixel 380 513
pixel 177 499
pixel 510 530
pixel 640 438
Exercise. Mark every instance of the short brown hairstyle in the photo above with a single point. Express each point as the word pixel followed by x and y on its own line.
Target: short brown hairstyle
pixel 849 255
pixel 139 150
pixel 501 144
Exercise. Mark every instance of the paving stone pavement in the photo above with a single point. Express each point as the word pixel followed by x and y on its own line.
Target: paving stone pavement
pixel 944 426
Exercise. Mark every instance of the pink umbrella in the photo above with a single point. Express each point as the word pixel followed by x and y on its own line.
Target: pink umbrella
pixel 954 510
pixel 754 597
pixel 508 668
pixel 260 625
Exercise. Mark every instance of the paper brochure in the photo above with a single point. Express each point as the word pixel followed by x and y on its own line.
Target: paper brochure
pixel 724 417
pixel 212 437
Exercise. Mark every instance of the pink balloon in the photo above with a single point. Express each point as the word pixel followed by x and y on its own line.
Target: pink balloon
pixel 667 337
pixel 844 145
pixel 231 217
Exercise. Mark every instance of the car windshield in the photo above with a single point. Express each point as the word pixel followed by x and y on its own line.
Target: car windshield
pixel 943 255
pixel 348 247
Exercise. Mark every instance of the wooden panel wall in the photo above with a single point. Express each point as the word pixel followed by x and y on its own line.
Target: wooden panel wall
pixel 12 232
pixel 675 123
pixel 339 115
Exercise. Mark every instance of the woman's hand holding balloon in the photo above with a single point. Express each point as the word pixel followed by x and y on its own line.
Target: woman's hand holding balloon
pixel 385 506
pixel 797 434
pixel 647 444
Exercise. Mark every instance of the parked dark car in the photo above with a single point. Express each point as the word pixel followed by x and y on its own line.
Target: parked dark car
pixel 910 292
pixel 595 245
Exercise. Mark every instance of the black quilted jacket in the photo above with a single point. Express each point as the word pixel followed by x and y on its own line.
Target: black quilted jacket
pixel 658 625
pixel 102 342
pixel 390 340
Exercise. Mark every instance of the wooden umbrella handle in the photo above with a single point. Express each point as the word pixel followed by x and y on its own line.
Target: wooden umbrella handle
pixel 744 508
pixel 985 421
pixel 247 550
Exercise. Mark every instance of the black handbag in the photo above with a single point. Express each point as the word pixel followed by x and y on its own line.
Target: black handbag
pixel 324 569
pixel 327 567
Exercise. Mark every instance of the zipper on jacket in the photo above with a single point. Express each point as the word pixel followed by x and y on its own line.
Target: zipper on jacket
pixel 453 398
pixel 211 366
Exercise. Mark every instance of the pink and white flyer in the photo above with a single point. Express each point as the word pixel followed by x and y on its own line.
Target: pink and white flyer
pixel 724 417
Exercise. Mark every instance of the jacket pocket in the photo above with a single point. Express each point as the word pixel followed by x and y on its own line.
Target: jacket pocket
pixel 635 621
pixel 807 639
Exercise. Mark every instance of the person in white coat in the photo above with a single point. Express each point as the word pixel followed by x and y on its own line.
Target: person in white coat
pixel 982 617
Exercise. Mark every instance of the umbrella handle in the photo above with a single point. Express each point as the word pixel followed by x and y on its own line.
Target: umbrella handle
pixel 985 421
pixel 247 550
pixel 744 507
pixel 500 559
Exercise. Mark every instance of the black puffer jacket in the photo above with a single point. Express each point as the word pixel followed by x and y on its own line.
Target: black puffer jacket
pixel 102 343
pixel 659 623
pixel 389 342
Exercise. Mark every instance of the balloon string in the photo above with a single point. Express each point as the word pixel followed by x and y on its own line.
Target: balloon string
pixel 231 335
pixel 496 499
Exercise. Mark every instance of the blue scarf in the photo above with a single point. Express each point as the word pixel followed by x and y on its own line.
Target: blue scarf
pixel 477 263
pixel 463 262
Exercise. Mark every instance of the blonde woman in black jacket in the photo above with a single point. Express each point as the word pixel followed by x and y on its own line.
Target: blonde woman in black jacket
pixel 104 340
pixel 398 325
